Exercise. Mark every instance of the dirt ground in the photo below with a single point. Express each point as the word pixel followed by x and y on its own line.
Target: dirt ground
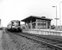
pixel 11 41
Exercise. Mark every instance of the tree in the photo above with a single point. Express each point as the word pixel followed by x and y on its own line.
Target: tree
pixel 53 27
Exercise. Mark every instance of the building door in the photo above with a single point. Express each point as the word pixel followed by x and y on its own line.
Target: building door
pixel 33 25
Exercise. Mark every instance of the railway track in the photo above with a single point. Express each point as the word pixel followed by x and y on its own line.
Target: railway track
pixel 50 43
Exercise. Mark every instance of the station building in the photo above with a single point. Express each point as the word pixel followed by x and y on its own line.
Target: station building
pixel 35 22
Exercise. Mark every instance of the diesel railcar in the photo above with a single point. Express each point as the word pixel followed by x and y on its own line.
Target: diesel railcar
pixel 14 26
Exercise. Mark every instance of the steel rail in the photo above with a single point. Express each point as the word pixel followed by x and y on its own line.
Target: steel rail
pixel 36 39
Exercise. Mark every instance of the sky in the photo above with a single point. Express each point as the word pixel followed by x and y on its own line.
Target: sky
pixel 20 9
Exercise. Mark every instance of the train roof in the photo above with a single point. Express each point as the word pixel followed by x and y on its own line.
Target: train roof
pixel 15 21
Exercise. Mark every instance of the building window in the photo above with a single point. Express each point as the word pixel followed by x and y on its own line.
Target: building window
pixel 42 23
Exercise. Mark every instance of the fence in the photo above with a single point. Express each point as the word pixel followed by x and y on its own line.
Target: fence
pixel 44 32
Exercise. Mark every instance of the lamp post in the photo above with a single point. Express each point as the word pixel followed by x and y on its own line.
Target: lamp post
pixel 56 15
pixel 60 12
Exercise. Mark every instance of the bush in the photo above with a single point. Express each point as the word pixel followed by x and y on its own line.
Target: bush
pixel 53 27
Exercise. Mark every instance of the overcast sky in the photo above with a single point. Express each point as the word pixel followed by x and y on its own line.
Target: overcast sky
pixel 20 9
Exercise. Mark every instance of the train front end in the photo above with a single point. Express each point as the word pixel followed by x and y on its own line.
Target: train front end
pixel 14 26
